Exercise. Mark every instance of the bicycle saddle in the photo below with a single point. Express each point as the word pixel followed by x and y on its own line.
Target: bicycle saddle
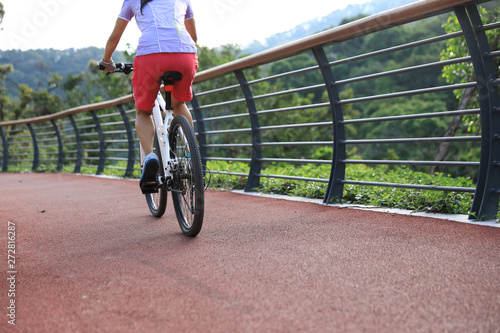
pixel 168 78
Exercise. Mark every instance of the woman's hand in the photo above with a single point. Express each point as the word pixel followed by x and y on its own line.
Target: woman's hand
pixel 108 66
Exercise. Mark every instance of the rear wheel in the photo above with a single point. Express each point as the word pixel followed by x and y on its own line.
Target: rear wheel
pixel 157 202
pixel 188 190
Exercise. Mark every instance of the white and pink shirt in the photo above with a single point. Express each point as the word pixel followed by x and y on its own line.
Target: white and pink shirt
pixel 162 25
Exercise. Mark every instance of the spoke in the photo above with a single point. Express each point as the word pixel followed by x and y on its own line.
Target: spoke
pixel 190 206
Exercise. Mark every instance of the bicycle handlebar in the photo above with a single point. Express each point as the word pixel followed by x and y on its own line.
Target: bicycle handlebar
pixel 121 67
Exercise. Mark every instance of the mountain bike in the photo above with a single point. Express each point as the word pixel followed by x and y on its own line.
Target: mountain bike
pixel 181 169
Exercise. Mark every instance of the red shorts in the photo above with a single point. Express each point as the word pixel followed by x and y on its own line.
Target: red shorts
pixel 149 68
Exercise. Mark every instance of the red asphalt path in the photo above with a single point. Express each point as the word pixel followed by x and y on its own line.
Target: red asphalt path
pixel 90 258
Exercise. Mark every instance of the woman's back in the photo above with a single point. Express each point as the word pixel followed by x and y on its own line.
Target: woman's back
pixel 162 25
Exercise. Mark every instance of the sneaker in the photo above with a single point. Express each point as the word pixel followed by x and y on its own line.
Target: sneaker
pixel 149 171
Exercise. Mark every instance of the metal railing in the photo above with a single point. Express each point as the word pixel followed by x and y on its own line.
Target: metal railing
pixel 236 113
pixel 93 137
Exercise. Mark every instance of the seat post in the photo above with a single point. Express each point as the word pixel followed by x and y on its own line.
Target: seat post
pixel 168 96
pixel 168 79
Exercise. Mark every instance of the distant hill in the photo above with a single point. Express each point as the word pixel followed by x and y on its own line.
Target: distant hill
pixel 321 23
pixel 32 67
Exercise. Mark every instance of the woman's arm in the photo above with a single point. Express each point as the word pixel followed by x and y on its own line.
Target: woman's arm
pixel 191 29
pixel 114 39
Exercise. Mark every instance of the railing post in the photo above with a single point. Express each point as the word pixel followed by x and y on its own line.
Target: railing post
pixel 335 189
pixel 491 197
pixel 256 164
pixel 60 158
pixel 36 153
pixel 5 144
pixel 130 138
pixel 486 199
pixel 79 151
pixel 102 147
pixel 200 129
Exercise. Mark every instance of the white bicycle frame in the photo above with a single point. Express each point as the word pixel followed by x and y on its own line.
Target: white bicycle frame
pixel 162 126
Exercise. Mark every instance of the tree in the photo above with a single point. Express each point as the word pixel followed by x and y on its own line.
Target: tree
pixel 416 128
pixel 4 70
pixel 25 99
pixel 2 13
pixel 462 73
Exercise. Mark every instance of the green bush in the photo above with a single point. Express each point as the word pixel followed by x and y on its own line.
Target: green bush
pixel 417 200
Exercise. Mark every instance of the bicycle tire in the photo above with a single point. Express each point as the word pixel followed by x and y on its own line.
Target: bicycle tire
pixel 157 202
pixel 189 205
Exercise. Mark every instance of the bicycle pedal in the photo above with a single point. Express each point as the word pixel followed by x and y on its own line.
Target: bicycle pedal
pixel 149 187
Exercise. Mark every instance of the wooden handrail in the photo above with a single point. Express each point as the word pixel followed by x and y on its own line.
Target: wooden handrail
pixel 79 109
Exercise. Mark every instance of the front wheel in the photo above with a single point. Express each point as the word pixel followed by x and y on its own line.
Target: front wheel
pixel 188 190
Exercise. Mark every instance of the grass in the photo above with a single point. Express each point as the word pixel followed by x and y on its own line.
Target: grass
pixel 416 200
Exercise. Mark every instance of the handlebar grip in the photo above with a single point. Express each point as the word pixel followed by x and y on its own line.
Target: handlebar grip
pixel 121 67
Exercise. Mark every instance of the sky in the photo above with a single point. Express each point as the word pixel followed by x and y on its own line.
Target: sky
pixel 63 24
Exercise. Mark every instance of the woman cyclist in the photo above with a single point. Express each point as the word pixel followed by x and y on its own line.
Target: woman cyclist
pixel 167 43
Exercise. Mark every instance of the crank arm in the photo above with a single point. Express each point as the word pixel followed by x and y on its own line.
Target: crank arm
pixel 177 191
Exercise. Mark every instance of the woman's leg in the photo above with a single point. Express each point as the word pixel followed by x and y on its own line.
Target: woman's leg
pixel 180 108
pixel 145 129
